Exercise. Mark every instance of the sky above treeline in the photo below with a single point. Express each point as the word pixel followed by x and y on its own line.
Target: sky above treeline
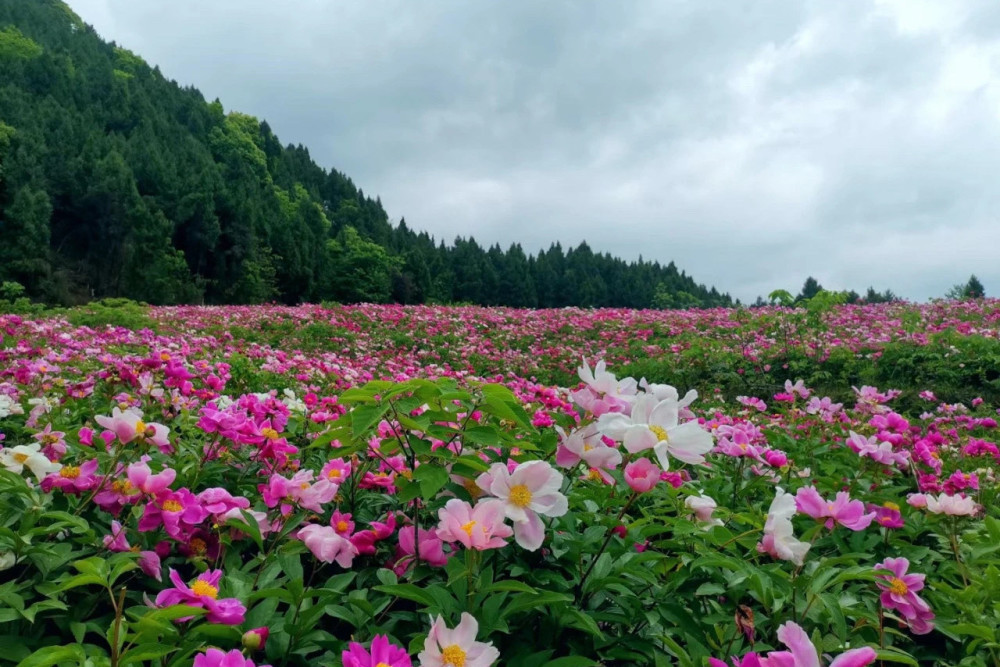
pixel 754 144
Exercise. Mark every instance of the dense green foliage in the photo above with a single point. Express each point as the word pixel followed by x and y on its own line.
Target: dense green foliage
pixel 117 182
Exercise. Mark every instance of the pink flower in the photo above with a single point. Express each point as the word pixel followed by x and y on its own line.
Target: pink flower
pixel 532 489
pixel 702 506
pixel 342 523
pixel 918 500
pixel 887 515
pixel 899 592
pixel 116 540
pixel 149 562
pixel 802 653
pixel 456 647
pixel 141 478
pixel 218 501
pixel 383 654
pixel 214 657
pixel 481 527
pixel 848 513
pixel 431 549
pixel 204 593
pixel 256 639
pixel 881 452
pixel 336 470
pixel 641 475
pixel 364 540
pixel 72 479
pixel 327 546
pixel 586 445
pixel 179 512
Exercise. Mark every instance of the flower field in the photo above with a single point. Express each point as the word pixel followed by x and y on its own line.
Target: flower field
pixel 383 486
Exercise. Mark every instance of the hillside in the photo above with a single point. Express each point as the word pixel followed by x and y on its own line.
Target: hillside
pixel 117 181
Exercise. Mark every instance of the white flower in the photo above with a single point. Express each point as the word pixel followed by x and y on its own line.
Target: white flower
pixel 16 459
pixel 654 425
pixel 779 539
pixel 8 406
pixel 292 403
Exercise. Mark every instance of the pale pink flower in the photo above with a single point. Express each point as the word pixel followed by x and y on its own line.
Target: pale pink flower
pixel 456 647
pixel 586 445
pixel 327 546
pixel 481 527
pixel 532 489
pixel 952 505
pixel 703 506
pixel 802 653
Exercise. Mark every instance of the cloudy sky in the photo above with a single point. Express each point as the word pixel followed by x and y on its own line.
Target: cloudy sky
pixel 754 144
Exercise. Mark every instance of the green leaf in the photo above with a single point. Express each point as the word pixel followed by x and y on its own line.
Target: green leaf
pixel 146 652
pixel 571 661
pixel 432 478
pixel 54 655
pixel 364 417
pixel 408 592
pixel 896 656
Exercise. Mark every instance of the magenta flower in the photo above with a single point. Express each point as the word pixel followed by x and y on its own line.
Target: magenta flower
pixel 801 653
pixel 848 513
pixel 887 515
pixel 214 657
pixel 899 592
pixel 217 500
pixel 642 475
pixel 383 654
pixel 178 511
pixel 204 593
pixel 72 479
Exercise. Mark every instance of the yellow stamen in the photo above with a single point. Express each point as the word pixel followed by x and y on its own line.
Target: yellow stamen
pixel 659 432
pixel 122 486
pixel 898 586
pixel 468 528
pixel 204 588
pixel 172 506
pixel 20 458
pixel 269 433
pixel 70 472
pixel 453 655
pixel 342 526
pixel 890 505
pixel 333 474
pixel 520 495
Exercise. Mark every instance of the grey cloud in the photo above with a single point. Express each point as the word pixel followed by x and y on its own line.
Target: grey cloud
pixel 752 143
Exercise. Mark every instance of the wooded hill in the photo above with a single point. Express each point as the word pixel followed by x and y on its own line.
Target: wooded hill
pixel 117 181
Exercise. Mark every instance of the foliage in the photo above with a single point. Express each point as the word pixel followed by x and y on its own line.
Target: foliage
pixel 264 447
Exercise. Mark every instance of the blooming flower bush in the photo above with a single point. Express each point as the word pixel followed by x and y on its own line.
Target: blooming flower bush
pixel 404 492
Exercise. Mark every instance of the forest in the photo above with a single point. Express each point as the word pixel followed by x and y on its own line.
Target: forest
pixel 116 181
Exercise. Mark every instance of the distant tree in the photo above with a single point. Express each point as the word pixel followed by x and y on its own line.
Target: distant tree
pixel 970 290
pixel 810 288
pixel 974 289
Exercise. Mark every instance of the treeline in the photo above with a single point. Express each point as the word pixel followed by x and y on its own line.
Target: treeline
pixel 115 181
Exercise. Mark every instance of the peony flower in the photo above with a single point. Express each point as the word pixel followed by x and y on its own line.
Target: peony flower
pixel 586 445
pixel 654 425
pixel 204 593
pixel 779 540
pixel 641 475
pixel 802 653
pixel 430 545
pixel 848 513
pixel 952 505
pixel 887 515
pixel 255 639
pixel 327 545
pixel 72 479
pixel 531 489
pixel 703 506
pixel 899 592
pixel 481 527
pixel 16 459
pixel 456 647
pixel 214 657
pixel 383 654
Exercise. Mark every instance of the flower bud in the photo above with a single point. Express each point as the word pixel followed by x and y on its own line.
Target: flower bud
pixel 255 639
